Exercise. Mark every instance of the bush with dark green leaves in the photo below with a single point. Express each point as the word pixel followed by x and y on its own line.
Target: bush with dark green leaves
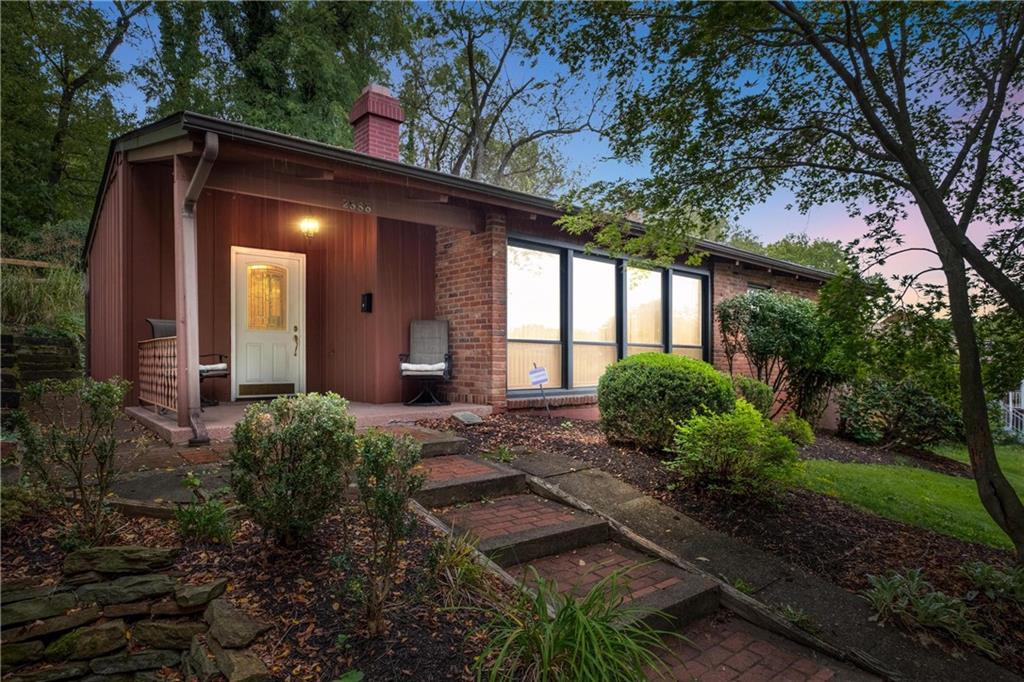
pixel 796 429
pixel 740 452
pixel 69 448
pixel 642 397
pixel 757 393
pixel 292 462
pixel 386 481
pixel 896 414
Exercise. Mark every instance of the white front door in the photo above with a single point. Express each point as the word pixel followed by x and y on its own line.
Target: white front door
pixel 268 299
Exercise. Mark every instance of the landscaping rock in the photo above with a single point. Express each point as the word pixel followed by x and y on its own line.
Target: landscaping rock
pixel 126 663
pixel 35 609
pixel 230 626
pixel 240 666
pixel 84 578
pixel 169 607
pixel 135 608
pixel 23 652
pixel 88 642
pixel 198 595
pixel 53 673
pixel 164 634
pixel 20 590
pixel 127 589
pixel 52 625
pixel 200 662
pixel 469 418
pixel 126 559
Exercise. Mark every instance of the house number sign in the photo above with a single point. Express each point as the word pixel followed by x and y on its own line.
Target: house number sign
pixel 356 206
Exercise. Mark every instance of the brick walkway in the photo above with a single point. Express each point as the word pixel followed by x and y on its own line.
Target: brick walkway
pixel 452 468
pixel 507 515
pixel 577 571
pixel 733 649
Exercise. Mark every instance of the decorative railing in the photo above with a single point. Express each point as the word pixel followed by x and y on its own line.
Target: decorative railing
pixel 158 372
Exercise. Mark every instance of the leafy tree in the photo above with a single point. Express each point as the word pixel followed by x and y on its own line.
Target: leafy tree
pixel 479 102
pixel 188 70
pixel 58 73
pixel 825 254
pixel 297 67
pixel 901 107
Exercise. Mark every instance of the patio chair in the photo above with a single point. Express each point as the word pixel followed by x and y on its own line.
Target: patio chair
pixel 428 360
pixel 209 370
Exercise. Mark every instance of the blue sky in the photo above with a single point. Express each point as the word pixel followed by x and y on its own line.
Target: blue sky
pixel 770 220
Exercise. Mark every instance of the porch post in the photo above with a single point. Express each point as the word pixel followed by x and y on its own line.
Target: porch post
pixel 187 187
pixel 186 299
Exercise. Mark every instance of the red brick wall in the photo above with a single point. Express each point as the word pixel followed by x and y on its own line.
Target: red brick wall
pixel 469 290
pixel 728 280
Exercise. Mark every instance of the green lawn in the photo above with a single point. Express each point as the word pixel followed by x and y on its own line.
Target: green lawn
pixel 946 504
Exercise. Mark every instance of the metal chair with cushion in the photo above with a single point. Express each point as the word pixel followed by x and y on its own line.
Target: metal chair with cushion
pixel 428 360
pixel 208 370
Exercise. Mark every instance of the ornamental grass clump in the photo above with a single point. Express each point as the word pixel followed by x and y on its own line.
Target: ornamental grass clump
pixel 549 636
pixel 292 462
pixel 386 482
pixel 739 452
pixel 69 449
pixel 642 396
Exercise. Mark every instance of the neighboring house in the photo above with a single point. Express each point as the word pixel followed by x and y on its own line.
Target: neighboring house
pixel 263 247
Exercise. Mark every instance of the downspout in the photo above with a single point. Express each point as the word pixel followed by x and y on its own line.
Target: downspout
pixel 188 222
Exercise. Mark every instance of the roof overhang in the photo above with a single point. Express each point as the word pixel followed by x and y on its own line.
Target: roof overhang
pixel 162 136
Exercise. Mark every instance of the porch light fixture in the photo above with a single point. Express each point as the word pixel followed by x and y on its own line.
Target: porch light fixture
pixel 309 226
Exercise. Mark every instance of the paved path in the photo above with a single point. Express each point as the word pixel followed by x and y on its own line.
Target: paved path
pixel 843 617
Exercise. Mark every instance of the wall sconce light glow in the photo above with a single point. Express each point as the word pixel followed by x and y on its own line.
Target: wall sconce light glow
pixel 309 226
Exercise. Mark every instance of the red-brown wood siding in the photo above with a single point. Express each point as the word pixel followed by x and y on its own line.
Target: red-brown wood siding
pixel 349 352
pixel 106 280
pixel 405 292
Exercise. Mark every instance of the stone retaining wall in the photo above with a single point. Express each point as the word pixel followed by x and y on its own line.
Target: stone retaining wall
pixel 120 614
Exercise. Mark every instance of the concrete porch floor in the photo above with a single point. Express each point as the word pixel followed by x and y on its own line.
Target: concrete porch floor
pixel 221 419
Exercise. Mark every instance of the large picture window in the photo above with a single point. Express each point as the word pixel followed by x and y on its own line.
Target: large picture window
pixel 687 314
pixel 643 311
pixel 574 313
pixel 593 319
pixel 534 315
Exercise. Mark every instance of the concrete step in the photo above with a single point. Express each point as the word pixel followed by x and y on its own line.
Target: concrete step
pixel 433 443
pixel 519 528
pixel 678 597
pixel 453 479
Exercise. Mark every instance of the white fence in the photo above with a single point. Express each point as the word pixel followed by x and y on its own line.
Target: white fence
pixel 1013 412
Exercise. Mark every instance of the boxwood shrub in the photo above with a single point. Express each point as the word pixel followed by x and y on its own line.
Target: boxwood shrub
pixel 642 396
pixel 757 393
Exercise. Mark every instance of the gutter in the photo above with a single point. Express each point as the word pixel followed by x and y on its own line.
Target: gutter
pixel 187 121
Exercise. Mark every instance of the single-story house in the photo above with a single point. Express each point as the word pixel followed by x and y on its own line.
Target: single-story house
pixel 303 265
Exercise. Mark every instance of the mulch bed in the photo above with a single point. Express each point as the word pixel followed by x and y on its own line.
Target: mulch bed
pixel 838 449
pixel 308 594
pixel 807 529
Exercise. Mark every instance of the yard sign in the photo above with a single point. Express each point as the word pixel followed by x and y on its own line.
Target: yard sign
pixel 539 377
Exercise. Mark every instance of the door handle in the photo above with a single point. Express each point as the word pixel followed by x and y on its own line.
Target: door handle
pixel 296 338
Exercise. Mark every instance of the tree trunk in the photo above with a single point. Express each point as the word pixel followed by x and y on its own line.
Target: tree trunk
pixel 996 493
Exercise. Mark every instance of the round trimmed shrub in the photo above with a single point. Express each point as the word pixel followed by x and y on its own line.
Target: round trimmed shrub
pixel 642 397
pixel 796 429
pixel 757 393
pixel 292 462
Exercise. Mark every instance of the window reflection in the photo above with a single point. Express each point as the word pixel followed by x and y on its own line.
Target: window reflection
pixel 644 308
pixel 534 314
pixel 686 311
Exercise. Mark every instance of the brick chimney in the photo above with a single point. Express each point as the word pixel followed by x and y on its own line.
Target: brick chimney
pixel 376 117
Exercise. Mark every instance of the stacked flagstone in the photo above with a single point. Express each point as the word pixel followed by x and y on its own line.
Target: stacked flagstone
pixel 120 616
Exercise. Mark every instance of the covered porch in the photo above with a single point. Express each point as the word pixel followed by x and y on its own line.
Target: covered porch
pixel 220 419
